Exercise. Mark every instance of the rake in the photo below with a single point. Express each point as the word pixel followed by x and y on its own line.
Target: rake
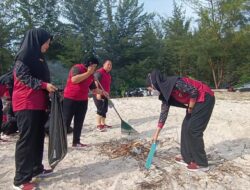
pixel 125 127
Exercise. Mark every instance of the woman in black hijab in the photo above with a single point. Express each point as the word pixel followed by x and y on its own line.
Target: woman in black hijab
pixel 30 100
pixel 199 101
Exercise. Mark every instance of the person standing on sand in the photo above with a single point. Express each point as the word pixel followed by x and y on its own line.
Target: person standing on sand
pixel 30 101
pixel 75 102
pixel 103 81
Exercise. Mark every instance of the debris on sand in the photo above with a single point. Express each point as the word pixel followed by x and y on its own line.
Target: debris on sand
pixel 135 148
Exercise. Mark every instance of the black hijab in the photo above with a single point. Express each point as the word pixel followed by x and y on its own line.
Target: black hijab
pixel 30 53
pixel 162 83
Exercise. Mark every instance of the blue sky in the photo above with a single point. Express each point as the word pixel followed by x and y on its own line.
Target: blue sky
pixel 164 7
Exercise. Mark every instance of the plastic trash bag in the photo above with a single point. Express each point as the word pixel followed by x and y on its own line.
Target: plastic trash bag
pixel 57 132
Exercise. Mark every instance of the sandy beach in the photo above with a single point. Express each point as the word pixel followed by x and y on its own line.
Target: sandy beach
pixel 116 162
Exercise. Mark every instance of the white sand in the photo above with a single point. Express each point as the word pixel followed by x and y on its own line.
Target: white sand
pixel 227 141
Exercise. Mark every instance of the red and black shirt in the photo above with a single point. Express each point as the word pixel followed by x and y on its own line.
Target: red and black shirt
pixel 184 91
pixel 78 91
pixel 29 92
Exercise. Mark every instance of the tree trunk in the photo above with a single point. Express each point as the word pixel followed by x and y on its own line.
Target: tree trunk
pixel 219 75
pixel 213 72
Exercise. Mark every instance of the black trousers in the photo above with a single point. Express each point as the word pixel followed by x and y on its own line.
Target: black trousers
pixel 101 105
pixel 30 145
pixel 76 109
pixel 1 114
pixel 193 126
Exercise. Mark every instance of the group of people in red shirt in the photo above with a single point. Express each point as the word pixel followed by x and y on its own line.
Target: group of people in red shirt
pixel 30 98
pixel 81 78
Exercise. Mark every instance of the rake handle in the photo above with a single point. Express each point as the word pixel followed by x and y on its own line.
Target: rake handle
pixel 108 98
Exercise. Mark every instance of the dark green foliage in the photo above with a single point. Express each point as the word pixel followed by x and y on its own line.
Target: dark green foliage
pixel 216 52
pixel 6 58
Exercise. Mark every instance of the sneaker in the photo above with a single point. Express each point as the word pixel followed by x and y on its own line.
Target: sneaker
pixel 79 145
pixel 194 167
pixel 101 128
pixel 25 186
pixel 44 173
pixel 179 160
pixel 107 126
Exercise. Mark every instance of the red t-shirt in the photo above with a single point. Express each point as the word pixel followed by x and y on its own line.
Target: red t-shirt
pixel 104 79
pixel 78 91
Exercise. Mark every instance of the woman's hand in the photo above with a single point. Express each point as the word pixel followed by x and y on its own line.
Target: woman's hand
pixel 91 69
pixel 51 87
pixel 98 96
pixel 100 92
pixel 156 134
pixel 106 94
pixel 189 110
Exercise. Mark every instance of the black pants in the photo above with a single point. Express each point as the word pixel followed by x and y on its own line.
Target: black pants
pixel 29 147
pixel 1 114
pixel 193 126
pixel 77 109
pixel 101 105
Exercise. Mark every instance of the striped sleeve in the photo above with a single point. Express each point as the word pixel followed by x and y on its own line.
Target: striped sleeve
pixel 23 74
pixel 186 88
pixel 163 114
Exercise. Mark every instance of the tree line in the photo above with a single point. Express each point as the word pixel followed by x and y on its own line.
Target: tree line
pixel 215 51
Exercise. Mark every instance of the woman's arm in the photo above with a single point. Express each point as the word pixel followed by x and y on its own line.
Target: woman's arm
pixel 97 90
pixel 23 74
pixel 162 119
pixel 78 77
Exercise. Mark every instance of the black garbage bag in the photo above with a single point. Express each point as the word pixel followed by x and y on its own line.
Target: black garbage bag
pixel 57 132
pixel 46 126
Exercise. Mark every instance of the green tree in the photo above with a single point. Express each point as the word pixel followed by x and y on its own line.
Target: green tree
pixel 219 23
pixel 177 43
pixel 26 14
pixel 130 23
pixel 109 32
pixel 84 20
pixel 6 57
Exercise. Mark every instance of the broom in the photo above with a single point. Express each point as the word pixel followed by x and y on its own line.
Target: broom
pixel 125 127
